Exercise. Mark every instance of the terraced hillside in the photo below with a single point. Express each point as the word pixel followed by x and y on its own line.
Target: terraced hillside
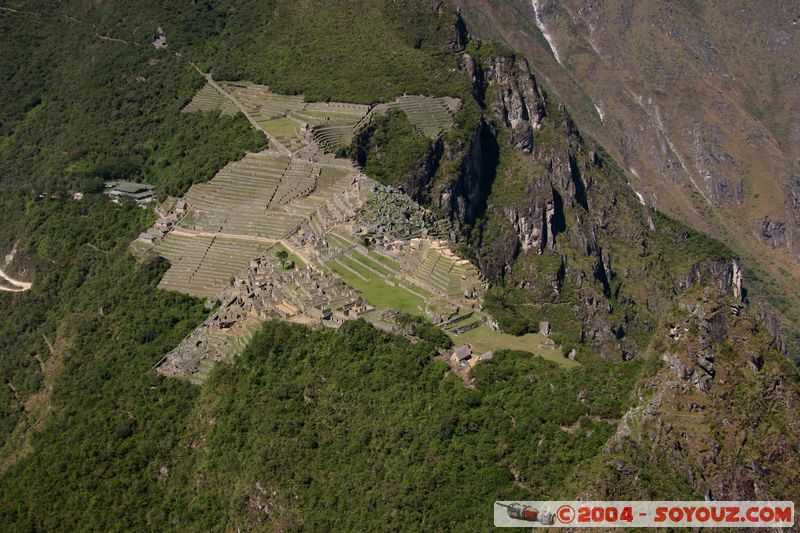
pixel 210 99
pixel 260 102
pixel 251 203
pixel 332 124
pixel 294 123
pixel 237 198
pixel 287 117
pixel 378 276
pixel 444 272
pixel 247 206
pixel 202 265
pixel 301 199
pixel 419 277
pixel 429 115
pixel 333 136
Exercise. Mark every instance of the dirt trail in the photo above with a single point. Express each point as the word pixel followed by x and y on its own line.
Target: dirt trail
pixel 238 236
pixel 39 14
pixel 17 286
pixel 273 142
pixel 37 407
pixel 115 40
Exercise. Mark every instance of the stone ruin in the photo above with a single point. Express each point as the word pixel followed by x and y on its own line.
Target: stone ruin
pixel 262 292
pixel 391 215
pixel 315 295
pixel 275 196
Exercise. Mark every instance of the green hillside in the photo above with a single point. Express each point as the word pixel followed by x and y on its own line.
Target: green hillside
pixel 356 428
pixel 291 434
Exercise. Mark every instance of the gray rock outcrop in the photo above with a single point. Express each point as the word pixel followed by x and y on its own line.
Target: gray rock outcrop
pixel 520 104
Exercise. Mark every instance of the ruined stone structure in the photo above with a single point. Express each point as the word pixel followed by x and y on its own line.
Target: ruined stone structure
pixel 262 292
pixel 337 222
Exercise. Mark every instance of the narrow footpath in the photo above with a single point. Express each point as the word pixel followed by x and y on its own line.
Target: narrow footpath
pixel 16 285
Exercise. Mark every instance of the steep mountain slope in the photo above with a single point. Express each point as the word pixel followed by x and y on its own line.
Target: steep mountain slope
pixel 552 220
pixel 289 435
pixel 719 416
pixel 549 217
pixel 696 100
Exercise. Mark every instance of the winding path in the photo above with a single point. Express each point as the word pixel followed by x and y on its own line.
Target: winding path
pixel 16 285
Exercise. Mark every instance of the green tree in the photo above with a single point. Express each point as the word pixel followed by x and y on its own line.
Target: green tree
pixel 283 257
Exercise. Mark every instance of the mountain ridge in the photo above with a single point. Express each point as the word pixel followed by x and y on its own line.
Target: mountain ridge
pixel 678 388
pixel 728 167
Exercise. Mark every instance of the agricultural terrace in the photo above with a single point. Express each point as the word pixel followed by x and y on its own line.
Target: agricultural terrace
pixel 332 123
pixel 421 279
pixel 200 266
pixel 249 205
pixel 294 123
pixel 429 115
pixel 260 103
pixel 238 198
pixel 286 117
pixel 379 278
pixel 210 99
pixel 443 272
pixel 257 206
pixel 427 280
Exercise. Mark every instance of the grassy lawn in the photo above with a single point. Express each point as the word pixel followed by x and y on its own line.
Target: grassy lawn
pixel 332 175
pixel 188 220
pixel 386 261
pixel 426 293
pixel 321 117
pixel 359 268
pixel 298 263
pixel 343 235
pixel 370 263
pixel 337 242
pixel 381 295
pixel 484 339
pixel 280 127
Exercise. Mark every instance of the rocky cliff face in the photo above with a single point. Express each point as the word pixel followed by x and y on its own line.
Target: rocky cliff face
pixel 540 205
pixel 549 217
pixel 462 195
pixel 514 101
pixel 636 73
pixel 675 91
pixel 418 183
pixel 518 102
pixel 777 234
pixel 555 224
pixel 719 416
pixel 566 234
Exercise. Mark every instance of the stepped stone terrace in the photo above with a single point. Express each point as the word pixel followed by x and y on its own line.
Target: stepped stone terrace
pixel 358 249
pixel 210 99
pixel 430 115
pixel 249 205
pixel 263 291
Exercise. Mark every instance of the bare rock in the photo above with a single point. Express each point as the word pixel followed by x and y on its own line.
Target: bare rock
pixel 755 361
pixel 520 104
pixel 159 39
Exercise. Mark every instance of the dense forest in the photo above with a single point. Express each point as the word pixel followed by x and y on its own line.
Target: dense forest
pixel 296 429
pixel 355 429
pixel 390 148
